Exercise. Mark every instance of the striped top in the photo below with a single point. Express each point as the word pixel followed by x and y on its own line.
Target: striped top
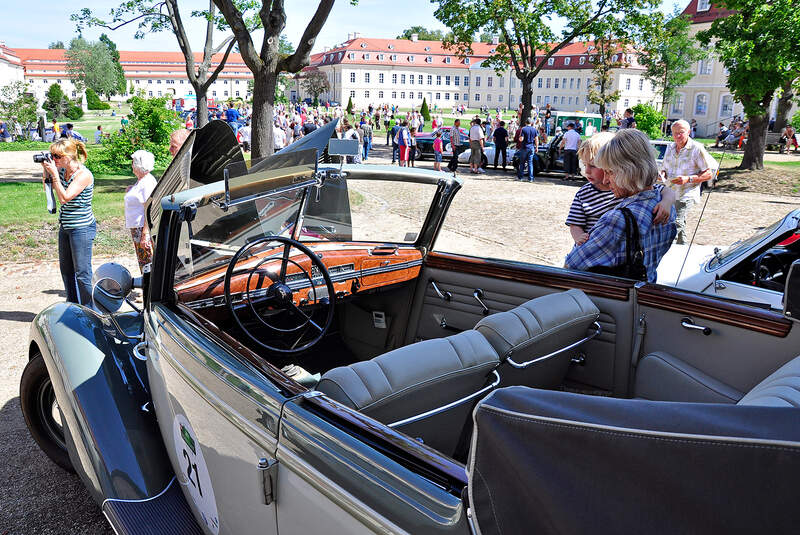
pixel 76 213
pixel 590 204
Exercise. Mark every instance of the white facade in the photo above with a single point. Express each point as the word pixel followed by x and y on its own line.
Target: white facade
pixel 11 69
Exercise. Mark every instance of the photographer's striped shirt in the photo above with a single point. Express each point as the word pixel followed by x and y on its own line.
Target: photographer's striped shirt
pixel 76 213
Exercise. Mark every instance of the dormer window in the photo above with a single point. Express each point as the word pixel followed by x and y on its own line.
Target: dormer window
pixel 429 59
pixel 551 61
pixel 447 59
pixel 566 61
pixel 615 58
pixel 390 47
pixel 427 49
pixel 466 61
pixel 363 45
pixel 393 57
pixel 351 55
pixel 341 55
pixel 703 5
pixel 582 60
pixel 491 51
pixel 411 59
pixel 366 56
pixel 380 57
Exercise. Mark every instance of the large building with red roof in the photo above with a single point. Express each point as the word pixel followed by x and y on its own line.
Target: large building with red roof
pixel 404 72
pixel 11 69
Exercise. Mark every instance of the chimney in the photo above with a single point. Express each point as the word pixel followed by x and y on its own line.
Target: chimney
pixel 356 34
pixel 495 40
pixel 349 36
pixel 414 37
pixel 325 48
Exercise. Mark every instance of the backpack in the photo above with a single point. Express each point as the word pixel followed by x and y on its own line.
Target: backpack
pixel 634 267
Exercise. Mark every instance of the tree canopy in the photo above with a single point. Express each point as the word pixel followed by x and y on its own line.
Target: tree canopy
pixel 315 83
pixel 423 34
pixel 606 53
pixel 758 46
pixel 56 45
pixel 91 65
pixel 112 49
pixel 17 105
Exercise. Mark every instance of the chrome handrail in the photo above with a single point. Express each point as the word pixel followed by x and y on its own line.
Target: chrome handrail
pixel 443 408
pixel 557 352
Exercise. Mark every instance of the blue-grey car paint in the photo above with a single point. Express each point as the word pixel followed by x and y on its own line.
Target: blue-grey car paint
pixel 101 388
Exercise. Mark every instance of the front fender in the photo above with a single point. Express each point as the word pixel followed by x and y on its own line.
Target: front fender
pixel 112 434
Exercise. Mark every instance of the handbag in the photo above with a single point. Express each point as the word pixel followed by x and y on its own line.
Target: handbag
pixel 633 268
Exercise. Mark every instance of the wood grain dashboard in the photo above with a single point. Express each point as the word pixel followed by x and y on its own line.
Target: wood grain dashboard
pixel 353 268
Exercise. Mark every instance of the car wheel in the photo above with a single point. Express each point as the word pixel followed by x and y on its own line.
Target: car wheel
pixel 42 413
pixel 417 154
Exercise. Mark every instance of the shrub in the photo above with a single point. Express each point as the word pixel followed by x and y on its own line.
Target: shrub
pixel 74 112
pixel 424 111
pixel 649 120
pixel 350 106
pixel 150 126
pixel 796 120
pixel 93 102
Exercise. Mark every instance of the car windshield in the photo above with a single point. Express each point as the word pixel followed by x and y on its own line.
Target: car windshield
pixel 743 246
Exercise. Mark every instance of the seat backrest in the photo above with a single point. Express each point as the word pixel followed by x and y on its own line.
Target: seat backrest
pixel 779 389
pixel 415 379
pixel 538 327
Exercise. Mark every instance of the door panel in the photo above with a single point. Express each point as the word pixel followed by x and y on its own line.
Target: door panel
pixel 218 417
pixel 506 285
pixel 745 345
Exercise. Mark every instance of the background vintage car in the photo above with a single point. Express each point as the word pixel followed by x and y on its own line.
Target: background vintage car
pixel 425 143
pixel 307 360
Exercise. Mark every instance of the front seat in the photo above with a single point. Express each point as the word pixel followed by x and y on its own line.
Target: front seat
pixel 418 378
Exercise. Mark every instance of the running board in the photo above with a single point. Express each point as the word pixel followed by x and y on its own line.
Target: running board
pixel 164 514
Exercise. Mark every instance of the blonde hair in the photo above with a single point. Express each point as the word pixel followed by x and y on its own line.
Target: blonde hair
pixel 70 147
pixel 589 147
pixel 630 158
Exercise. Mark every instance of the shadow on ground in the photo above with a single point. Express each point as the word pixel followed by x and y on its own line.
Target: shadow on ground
pixel 17 315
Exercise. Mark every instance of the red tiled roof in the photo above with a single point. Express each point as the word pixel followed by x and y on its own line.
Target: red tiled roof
pixel 8 55
pixel 710 15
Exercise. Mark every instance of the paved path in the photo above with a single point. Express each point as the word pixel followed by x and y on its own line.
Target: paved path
pixel 19 166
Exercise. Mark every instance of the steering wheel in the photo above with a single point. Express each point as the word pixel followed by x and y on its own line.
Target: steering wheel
pixel 274 306
pixel 766 266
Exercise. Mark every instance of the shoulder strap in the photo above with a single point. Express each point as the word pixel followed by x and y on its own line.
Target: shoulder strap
pixel 634 254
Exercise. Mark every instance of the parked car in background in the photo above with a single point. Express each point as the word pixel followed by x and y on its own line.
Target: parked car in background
pixel 425 143
pixel 488 155
pixel 308 357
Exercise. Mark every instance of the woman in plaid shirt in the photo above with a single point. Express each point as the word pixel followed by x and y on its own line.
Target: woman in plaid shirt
pixel 631 171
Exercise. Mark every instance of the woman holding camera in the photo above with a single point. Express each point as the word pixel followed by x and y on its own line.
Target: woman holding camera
pixel 73 184
pixel 142 163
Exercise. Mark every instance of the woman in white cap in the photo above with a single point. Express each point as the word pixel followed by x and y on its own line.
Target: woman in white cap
pixel 142 163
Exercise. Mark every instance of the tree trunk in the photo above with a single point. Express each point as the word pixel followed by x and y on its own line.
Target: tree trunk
pixel 202 106
pixel 527 98
pixel 784 105
pixel 754 149
pixel 263 104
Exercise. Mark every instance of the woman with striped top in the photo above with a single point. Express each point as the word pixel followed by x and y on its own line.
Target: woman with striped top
pixel 73 184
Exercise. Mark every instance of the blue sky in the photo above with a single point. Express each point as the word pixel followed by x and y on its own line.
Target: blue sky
pixel 372 18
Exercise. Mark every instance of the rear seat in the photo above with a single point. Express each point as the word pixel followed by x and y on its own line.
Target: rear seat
pixel 780 389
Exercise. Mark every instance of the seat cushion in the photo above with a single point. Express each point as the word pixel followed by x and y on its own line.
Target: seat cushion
pixel 780 389
pixel 663 377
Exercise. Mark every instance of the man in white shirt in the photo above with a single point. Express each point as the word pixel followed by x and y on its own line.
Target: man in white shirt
pixel 476 137
pixel 686 166
pixel 278 137
pixel 570 143
pixel 245 134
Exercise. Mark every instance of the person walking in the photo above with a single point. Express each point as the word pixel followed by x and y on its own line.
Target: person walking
pixel 393 134
pixel 500 136
pixel 455 144
pixel 437 150
pixel 73 185
pixel 527 137
pixel 367 139
pixel 570 143
pixel 412 146
pixel 403 144
pixel 686 165
pixel 476 141
pixel 142 163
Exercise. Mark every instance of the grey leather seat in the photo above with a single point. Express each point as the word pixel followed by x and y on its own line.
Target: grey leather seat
pixel 415 379
pixel 535 328
pixel 779 389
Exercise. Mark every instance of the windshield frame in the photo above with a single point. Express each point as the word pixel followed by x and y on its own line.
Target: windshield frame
pixel 743 247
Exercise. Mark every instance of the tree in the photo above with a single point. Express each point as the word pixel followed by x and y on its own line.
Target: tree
pixel 785 100
pixel 265 61
pixel 160 15
pixel 525 27
pixel 56 45
pixel 424 111
pixel 486 37
pixel 93 102
pixel 17 105
pixel 112 50
pixel 56 103
pixel 605 54
pixel 668 54
pixel 649 120
pixel 423 34
pixel 349 108
pixel 757 44
pixel 91 65
pixel 315 83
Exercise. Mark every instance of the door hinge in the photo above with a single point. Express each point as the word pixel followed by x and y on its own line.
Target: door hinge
pixel 269 478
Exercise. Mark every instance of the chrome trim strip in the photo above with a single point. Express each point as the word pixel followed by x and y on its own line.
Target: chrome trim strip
pixel 443 408
pixel 556 352
pixel 120 500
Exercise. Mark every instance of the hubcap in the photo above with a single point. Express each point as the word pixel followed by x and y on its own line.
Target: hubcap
pixel 50 415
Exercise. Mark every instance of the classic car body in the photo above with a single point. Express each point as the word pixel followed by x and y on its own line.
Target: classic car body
pixel 212 412
pixel 752 270
pixel 425 143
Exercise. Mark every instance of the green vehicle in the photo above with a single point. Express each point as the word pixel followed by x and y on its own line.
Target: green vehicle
pixel 564 117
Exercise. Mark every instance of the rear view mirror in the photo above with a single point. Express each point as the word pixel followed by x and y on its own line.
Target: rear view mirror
pixel 791 294
pixel 111 285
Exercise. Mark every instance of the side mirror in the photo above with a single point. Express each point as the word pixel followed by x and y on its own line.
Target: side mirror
pixel 111 284
pixel 791 294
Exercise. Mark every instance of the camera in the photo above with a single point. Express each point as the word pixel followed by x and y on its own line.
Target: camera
pixel 42 157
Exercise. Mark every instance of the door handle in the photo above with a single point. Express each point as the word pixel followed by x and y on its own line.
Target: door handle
pixel 444 296
pixel 478 294
pixel 688 323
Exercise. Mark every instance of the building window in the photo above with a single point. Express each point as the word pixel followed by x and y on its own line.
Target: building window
pixel 477 81
pixel 456 80
pixel 489 81
pixel 428 59
pixel 641 84
pixel 403 79
pixel 430 79
pixel 411 79
pixel 353 77
pixel 578 83
pixel 447 60
pixel 393 57
pixel 502 82
pixel 555 83
pixel 150 93
pixel 626 103
pixel 627 84
pixel 726 106
pixel 148 81
pixel 438 79
pixel 677 104
pixel 466 61
pixel 547 83
pixel 513 82
pixel 394 95
pixel 477 97
pixel 237 93
pixel 703 5
pixel 351 55
pixel 705 66
pixel 419 79
pixel 566 61
pixel 615 58
pixel 366 56
pixel 538 99
pixel 564 83
pixel 366 94
pixel 581 60
pixel 380 77
pixel 447 96
pixel 419 95
pixel 438 96
pixel 701 104
pixel 466 82
pixel 74 94
pixel 511 100
pixel 500 98
pixel 563 98
pixel 546 100
pixel 455 96
pixel 380 57
pixel 551 61
pixel 488 97
pixel 380 94
pixel 446 81
pixel 158 81
pixel 394 78
pixel 213 93
pixel 539 83
pixel 466 97
pixel 411 59
pixel 571 82
pixel 403 95
pixel 366 77
pixel 352 94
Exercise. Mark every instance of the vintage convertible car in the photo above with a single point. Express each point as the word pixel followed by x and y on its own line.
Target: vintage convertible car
pixel 752 270
pixel 307 362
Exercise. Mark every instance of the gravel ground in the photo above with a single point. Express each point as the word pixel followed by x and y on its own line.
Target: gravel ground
pixel 492 216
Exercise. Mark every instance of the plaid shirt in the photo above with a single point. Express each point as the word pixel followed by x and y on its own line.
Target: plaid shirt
pixel 606 243
pixel 693 159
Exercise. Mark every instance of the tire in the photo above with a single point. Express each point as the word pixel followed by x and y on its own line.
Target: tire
pixel 417 154
pixel 39 406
